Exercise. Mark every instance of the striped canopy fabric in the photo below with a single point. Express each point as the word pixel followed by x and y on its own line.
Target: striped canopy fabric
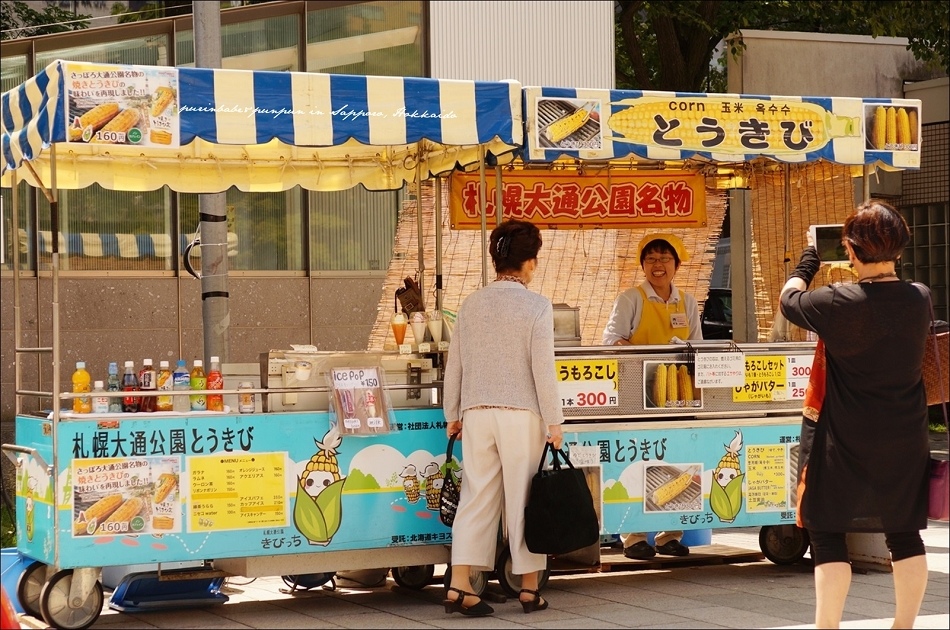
pixel 204 130
pixel 603 125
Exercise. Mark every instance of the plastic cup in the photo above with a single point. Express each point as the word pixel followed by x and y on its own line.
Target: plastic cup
pixel 435 325
pixel 417 321
pixel 399 323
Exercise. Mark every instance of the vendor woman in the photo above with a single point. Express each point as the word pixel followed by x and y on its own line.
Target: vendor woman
pixel 654 313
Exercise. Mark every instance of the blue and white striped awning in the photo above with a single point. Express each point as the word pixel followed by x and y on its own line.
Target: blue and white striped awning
pixel 202 130
pixel 719 128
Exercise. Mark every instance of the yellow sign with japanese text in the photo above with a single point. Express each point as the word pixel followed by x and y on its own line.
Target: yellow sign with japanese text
pixel 237 491
pixel 573 199
pixel 587 383
pixel 765 380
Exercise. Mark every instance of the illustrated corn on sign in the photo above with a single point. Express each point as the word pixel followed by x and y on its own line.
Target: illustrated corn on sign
pixel 892 127
pixel 122 105
pixel 672 488
pixel 728 125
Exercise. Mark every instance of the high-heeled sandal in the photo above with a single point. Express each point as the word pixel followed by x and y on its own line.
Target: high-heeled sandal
pixel 481 609
pixel 536 603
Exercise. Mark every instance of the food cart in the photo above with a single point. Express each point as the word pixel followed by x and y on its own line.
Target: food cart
pixel 294 488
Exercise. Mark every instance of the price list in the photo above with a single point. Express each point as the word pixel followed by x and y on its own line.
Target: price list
pixel 237 492
pixel 587 383
pixel 765 478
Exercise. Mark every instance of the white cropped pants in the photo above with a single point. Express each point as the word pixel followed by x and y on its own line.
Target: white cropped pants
pixel 501 449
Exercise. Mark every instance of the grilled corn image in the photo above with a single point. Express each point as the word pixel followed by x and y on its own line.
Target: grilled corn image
pixel 660 386
pixel 672 489
pixel 162 98
pixel 912 123
pixel 121 124
pixel 99 511
pixel 318 509
pixel 162 522
pixel 685 382
pixel 124 514
pixel 159 136
pixel 725 493
pixel 564 127
pixel 434 480
pixel 166 483
pixel 638 122
pixel 96 118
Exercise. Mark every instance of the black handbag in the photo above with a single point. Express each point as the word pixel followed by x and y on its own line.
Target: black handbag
pixel 560 515
pixel 451 487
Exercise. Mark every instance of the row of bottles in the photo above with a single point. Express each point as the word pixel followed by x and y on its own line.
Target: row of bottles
pixel 148 379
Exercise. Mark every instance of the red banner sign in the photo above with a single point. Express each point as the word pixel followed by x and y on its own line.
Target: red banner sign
pixel 573 200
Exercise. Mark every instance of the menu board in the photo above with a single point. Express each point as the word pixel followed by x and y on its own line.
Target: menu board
pixel 237 491
pixel 765 478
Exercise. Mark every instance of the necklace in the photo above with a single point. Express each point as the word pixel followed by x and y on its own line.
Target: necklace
pixel 507 278
pixel 880 276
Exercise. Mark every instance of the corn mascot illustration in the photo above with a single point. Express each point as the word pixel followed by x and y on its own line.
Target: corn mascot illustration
pixel 725 493
pixel 318 509
pixel 433 478
pixel 410 483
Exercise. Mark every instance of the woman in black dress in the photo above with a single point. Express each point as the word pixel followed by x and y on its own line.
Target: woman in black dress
pixel 864 459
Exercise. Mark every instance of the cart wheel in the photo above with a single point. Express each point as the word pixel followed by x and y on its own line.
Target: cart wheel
pixel 28 588
pixel 478 578
pixel 510 582
pixel 415 577
pixel 59 612
pixel 307 581
pixel 783 544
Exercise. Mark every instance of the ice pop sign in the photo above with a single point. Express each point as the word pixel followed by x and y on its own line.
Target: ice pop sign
pixel 349 378
pixel 358 400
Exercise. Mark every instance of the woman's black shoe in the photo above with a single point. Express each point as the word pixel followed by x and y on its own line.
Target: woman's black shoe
pixel 536 603
pixel 481 609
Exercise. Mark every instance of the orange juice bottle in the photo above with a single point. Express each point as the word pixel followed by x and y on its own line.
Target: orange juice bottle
pixel 82 383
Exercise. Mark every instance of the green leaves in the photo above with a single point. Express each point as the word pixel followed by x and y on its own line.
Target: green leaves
pixel 318 518
pixel 726 502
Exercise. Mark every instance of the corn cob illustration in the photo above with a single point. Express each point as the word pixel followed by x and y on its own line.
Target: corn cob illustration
pixel 725 494
pixel 637 123
pixel 97 117
pixel 564 127
pixel 324 461
pixel 166 483
pixel 672 390
pixel 659 386
pixel 912 123
pixel 685 384
pixel 434 480
pixel 161 100
pixel 729 461
pixel 903 127
pixel 672 489
pixel 879 129
pixel 890 131
pixel 126 119
pixel 410 483
pixel 125 512
pixel 98 511
pixel 159 136
pixel 162 522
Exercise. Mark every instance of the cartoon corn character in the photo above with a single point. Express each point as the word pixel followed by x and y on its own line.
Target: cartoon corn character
pixel 434 479
pixel 410 483
pixel 725 493
pixel 318 509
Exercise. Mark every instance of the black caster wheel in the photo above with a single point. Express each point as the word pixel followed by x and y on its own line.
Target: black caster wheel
pixel 783 544
pixel 479 579
pixel 307 581
pixel 60 611
pixel 415 577
pixel 509 582
pixel 28 588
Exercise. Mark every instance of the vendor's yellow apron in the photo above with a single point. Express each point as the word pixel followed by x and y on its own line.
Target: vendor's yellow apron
pixel 656 326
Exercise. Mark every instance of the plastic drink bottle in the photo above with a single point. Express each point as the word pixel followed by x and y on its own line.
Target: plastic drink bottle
pixel 147 383
pixel 130 383
pixel 82 382
pixel 181 382
pixel 215 381
pixel 114 385
pixel 164 382
pixel 100 404
pixel 199 402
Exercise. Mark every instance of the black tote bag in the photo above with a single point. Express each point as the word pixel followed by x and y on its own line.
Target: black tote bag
pixel 451 488
pixel 560 516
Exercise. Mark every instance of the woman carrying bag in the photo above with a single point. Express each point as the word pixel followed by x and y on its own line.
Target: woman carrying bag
pixel 500 385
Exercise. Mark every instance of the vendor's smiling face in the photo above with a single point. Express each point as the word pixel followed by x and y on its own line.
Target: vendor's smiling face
pixel 659 262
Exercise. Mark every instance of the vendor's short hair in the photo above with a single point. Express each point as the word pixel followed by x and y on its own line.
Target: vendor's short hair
pixel 660 246
pixel 512 244
pixel 876 232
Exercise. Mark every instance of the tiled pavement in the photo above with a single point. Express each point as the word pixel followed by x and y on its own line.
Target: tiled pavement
pixel 741 595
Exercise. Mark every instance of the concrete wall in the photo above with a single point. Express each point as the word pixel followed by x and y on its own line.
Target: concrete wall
pixel 935 99
pixel 818 64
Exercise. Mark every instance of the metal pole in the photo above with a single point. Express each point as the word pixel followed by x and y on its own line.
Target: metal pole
pixel 482 192
pixel 438 244
pixel 419 234
pixel 499 207
pixel 866 183
pixel 212 211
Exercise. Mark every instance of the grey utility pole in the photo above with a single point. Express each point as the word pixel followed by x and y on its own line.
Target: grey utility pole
pixel 215 313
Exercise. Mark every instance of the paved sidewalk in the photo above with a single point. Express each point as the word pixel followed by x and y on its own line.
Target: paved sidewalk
pixel 742 595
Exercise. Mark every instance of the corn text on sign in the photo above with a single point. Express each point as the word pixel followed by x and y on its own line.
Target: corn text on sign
pixel 573 199
pixel 720 127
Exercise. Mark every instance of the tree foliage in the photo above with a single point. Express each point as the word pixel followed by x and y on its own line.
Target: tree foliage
pixel 21 20
pixel 669 44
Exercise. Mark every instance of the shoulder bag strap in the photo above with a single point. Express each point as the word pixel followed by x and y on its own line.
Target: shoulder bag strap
pixel 933 337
